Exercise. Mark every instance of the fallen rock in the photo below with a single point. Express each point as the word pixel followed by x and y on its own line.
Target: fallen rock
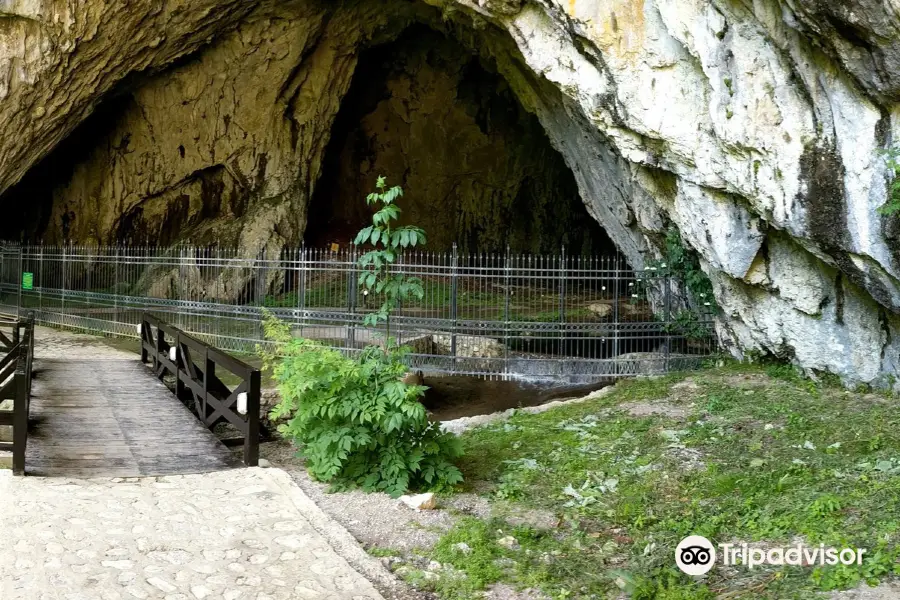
pixel 463 548
pixel 411 378
pixel 420 501
pixel 473 346
pixel 509 542
pixel 600 309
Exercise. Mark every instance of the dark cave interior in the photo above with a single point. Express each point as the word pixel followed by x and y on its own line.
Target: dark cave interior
pixel 477 169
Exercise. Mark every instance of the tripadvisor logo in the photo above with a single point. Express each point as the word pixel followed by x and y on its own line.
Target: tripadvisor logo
pixel 696 555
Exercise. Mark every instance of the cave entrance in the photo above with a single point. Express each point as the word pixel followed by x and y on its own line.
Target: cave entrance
pixel 476 167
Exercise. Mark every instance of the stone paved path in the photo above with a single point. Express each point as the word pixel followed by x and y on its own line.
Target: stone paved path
pixel 238 534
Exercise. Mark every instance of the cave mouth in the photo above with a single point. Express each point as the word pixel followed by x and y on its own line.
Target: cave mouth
pixel 477 168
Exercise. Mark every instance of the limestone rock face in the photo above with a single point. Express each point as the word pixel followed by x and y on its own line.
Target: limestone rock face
pixel 752 127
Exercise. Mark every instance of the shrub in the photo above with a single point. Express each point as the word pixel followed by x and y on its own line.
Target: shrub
pixel 354 420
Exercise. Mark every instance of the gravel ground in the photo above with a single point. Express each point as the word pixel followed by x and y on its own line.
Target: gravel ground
pixel 377 520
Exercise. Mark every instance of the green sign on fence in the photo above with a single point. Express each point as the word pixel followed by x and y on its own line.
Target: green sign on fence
pixel 27 281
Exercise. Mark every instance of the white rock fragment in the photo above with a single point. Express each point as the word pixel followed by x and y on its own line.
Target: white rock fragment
pixel 420 501
pixel 463 548
pixel 509 542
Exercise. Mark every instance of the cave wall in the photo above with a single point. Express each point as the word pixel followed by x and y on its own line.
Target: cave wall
pixel 752 127
pixel 477 168
pixel 224 147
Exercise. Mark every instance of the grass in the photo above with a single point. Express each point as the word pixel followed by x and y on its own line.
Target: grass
pixel 764 455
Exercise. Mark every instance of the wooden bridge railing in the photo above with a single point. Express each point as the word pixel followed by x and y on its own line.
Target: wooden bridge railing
pixel 193 365
pixel 17 351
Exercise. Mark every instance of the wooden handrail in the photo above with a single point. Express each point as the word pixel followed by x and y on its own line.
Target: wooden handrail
pixel 15 383
pixel 198 385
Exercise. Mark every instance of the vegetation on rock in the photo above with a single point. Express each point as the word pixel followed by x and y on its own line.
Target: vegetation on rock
pixel 892 206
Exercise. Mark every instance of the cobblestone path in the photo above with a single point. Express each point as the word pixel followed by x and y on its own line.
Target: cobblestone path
pixel 238 534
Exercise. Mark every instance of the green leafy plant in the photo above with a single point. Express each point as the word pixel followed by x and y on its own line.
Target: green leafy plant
pixel 355 422
pixel 354 419
pixel 388 243
pixel 892 159
pixel 686 323
pixel 682 263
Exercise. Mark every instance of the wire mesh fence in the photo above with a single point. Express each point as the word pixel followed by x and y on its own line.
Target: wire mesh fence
pixel 570 318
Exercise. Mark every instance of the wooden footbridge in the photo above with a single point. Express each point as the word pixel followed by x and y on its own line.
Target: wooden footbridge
pixel 79 411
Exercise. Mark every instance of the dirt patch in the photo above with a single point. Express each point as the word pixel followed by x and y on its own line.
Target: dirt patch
pixel 662 408
pixel 884 591
pixel 377 520
pixel 748 380
pixel 504 592
pixel 688 386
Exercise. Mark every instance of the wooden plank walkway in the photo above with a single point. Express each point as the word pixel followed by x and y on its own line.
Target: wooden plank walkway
pixel 110 417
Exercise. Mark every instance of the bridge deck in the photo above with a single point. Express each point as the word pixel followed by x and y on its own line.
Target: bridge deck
pixel 98 413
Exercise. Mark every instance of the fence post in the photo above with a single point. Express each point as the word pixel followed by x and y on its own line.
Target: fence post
pixel 41 282
pixel 209 371
pixel 65 283
pixel 454 290
pixel 399 310
pixel 617 281
pixel 301 288
pixel 19 280
pixel 506 287
pixel 562 300
pixel 116 287
pixel 251 441
pixel 179 382
pixel 261 288
pixel 667 312
pixel 20 420
pixel 351 299
pixel 89 269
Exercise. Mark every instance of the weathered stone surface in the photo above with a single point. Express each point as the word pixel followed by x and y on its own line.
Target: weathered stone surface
pixel 469 345
pixel 600 309
pixel 754 127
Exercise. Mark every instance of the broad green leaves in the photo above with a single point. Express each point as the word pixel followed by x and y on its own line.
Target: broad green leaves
pixel 388 243
pixel 353 419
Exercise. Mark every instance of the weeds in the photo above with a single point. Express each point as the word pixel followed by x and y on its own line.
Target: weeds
pixel 774 460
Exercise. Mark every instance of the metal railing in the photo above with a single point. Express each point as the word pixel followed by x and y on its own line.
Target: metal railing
pixel 193 366
pixel 572 318
pixel 17 348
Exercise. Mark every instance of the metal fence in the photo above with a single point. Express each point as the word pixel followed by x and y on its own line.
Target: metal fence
pixel 570 318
